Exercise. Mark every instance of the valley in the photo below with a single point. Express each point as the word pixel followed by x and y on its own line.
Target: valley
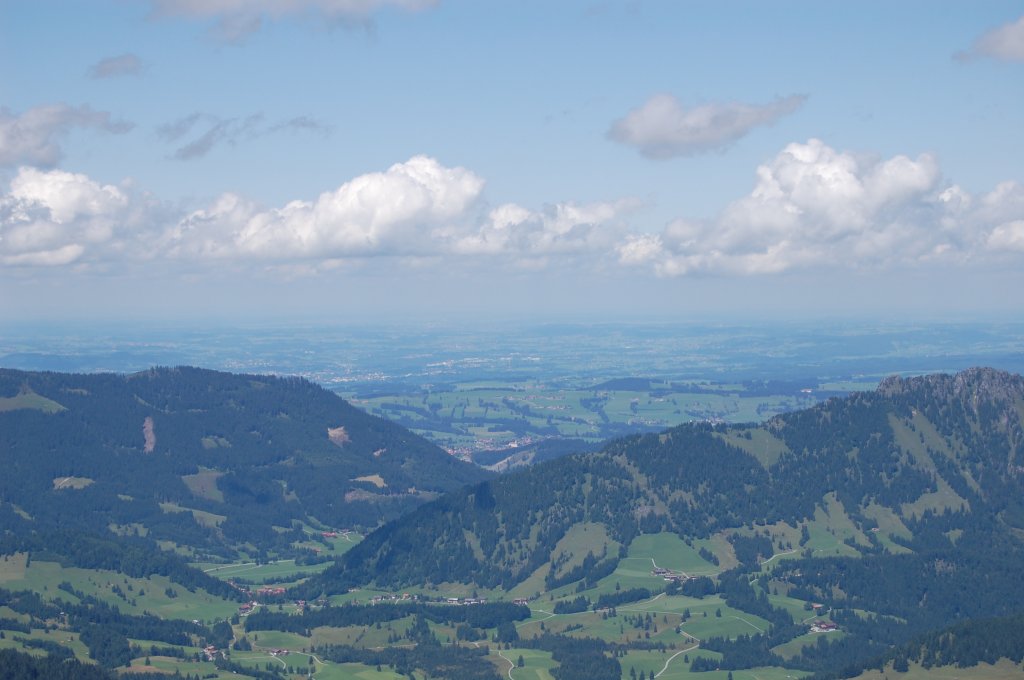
pixel 701 551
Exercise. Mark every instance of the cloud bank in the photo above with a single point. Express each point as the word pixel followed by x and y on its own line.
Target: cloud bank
pixel 812 208
pixel 663 128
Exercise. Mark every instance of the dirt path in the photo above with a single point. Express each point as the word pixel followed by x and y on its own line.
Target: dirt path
pixel 669 659
pixel 510 664
pixel 785 552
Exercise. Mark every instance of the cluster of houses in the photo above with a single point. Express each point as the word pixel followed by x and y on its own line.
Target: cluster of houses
pixel 270 590
pixel 668 574
pixel 211 652
pixel 820 626
pixel 466 600
pixel 394 597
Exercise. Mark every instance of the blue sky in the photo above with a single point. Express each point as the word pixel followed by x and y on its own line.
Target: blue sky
pixel 389 158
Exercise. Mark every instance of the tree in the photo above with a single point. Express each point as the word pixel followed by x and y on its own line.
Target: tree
pixel 520 662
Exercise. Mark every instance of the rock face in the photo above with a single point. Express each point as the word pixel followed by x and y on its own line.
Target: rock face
pixel 972 384
pixel 148 435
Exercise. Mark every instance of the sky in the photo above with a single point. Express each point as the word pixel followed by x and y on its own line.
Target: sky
pixel 488 159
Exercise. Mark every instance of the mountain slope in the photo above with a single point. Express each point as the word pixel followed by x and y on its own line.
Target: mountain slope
pixel 947 446
pixel 204 459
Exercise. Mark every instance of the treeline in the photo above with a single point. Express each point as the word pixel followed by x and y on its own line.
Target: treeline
pixel 105 630
pixel 620 597
pixel 578 658
pixel 442 662
pixel 15 665
pixel 979 577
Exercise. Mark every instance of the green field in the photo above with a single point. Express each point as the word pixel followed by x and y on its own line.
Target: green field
pixel 259 573
pixel 137 595
pixel 537 664
pixel 670 552
pixel 27 399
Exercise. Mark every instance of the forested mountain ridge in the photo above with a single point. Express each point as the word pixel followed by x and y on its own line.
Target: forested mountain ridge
pixel 896 463
pixel 204 459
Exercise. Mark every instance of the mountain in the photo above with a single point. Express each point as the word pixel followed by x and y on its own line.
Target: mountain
pixel 206 461
pixel 920 483
pixel 874 531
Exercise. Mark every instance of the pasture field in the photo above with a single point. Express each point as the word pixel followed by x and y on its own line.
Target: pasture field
pixel 537 664
pixel 136 595
pixel 204 484
pixel 28 399
pixel 670 552
pixel 260 573
pixel 12 567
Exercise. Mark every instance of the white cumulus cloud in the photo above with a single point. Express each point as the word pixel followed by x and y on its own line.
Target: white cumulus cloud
pixel 56 218
pixel 34 137
pixel 381 213
pixel 815 207
pixel 419 208
pixel 664 128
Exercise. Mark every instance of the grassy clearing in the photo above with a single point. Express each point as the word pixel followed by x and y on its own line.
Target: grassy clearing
pixel 61 637
pixel 580 540
pixel 275 639
pixel 676 665
pixel 202 518
pixel 937 501
pixel 12 567
pixel 136 594
pixel 792 605
pixel 260 573
pixel 362 636
pixel 537 664
pixel 762 444
pixel 204 484
pixel 829 530
pixel 353 671
pixel 670 552
pixel 27 399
